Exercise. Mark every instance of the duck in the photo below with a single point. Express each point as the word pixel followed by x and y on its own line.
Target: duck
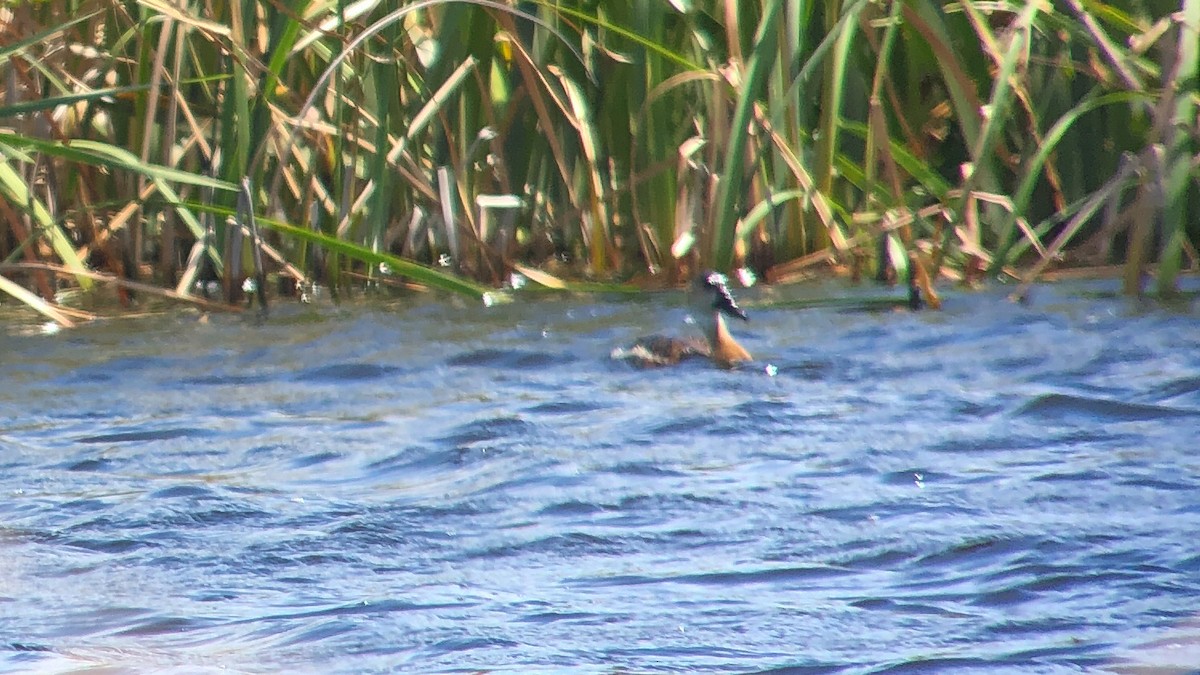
pixel 712 302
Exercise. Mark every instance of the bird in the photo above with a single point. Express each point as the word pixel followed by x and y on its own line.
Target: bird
pixel 712 303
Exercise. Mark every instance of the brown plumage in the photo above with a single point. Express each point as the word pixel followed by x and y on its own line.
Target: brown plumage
pixel 714 302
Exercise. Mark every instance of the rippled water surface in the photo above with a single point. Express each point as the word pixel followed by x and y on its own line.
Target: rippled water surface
pixel 421 486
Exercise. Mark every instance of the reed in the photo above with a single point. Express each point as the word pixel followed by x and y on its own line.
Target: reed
pixel 452 142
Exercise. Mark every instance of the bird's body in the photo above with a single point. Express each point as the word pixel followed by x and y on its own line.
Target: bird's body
pixel 714 302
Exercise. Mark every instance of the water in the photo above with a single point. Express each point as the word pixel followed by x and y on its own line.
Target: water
pixel 425 487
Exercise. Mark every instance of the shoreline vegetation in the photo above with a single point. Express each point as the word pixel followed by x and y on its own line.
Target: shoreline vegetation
pixel 207 150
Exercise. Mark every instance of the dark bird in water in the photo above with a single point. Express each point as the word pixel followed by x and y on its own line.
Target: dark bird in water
pixel 711 303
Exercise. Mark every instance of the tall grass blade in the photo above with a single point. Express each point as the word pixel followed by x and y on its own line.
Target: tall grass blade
pixel 1092 206
pixel 35 303
pixel 12 50
pixel 14 189
pixel 98 153
pixel 446 197
pixel 996 112
pixel 928 19
pixel 733 170
pixel 245 218
pixel 1178 161
pixel 1010 247
pixel 112 280
pixel 592 167
pixel 833 92
pixel 421 273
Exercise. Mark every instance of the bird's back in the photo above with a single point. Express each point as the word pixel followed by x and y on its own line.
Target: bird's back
pixel 660 350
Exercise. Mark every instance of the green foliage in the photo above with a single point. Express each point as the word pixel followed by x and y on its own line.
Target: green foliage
pixel 600 140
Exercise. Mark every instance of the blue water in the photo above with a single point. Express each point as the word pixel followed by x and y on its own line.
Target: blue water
pixel 422 486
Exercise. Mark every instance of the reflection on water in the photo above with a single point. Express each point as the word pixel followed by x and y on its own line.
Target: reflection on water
pixel 426 487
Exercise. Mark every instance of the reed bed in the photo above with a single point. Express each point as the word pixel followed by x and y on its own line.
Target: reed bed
pixel 453 142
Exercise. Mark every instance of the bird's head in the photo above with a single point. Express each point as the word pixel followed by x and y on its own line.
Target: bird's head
pixel 712 294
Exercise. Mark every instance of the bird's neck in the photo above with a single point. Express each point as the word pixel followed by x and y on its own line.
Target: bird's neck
pixel 725 349
pixel 717 331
